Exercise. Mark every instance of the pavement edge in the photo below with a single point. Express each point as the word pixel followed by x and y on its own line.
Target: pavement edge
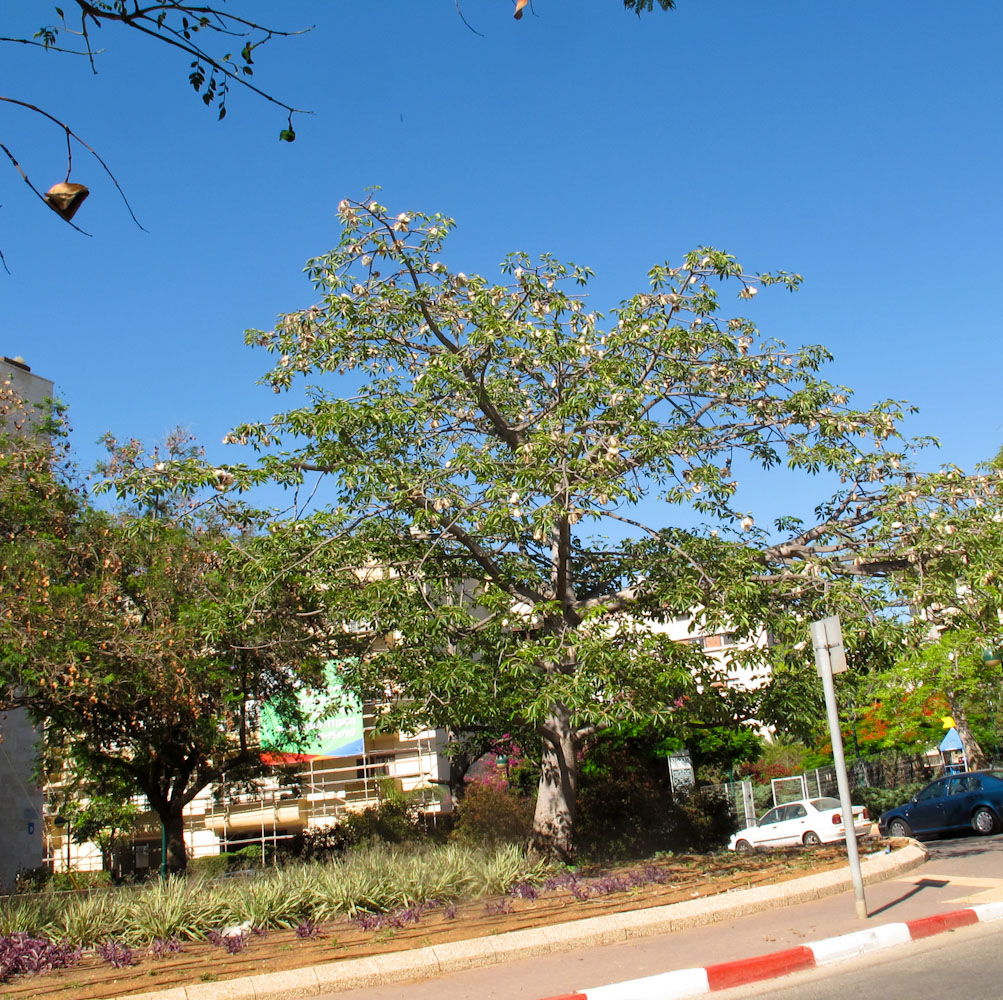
pixel 684 983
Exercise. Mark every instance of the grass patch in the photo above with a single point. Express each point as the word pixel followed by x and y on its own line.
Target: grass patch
pixel 370 880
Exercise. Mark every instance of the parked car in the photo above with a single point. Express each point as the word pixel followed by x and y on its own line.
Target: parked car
pixel 808 821
pixel 970 801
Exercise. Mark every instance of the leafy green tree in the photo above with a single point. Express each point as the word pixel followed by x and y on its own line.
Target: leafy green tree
pixel 104 815
pixel 949 671
pixel 143 644
pixel 491 431
pixel 948 528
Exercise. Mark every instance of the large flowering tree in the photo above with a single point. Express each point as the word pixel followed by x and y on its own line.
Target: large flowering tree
pixel 512 479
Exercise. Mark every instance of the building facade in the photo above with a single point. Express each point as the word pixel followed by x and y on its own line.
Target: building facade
pixel 304 793
pixel 21 839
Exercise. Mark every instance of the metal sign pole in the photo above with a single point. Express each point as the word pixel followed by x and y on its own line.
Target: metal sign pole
pixel 827 640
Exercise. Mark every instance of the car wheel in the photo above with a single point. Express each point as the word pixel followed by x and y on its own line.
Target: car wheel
pixel 811 839
pixel 743 846
pixel 984 821
pixel 899 828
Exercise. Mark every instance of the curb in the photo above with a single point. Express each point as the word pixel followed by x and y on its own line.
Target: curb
pixel 694 982
pixel 400 967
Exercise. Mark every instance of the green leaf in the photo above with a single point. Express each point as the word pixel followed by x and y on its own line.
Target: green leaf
pixel 287 135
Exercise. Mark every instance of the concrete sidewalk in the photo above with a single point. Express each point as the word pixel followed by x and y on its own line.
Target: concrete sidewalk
pixel 559 960
pixel 913 889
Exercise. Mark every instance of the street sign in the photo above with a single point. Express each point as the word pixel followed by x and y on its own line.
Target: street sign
pixel 681 776
pixel 830 658
pixel 827 633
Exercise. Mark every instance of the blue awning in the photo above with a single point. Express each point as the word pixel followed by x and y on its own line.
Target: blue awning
pixel 951 741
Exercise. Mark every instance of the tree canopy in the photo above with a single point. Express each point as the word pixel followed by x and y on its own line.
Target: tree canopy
pixel 489 474
pixel 949 528
pixel 143 644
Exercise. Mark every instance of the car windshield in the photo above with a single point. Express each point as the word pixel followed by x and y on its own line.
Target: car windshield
pixel 825 803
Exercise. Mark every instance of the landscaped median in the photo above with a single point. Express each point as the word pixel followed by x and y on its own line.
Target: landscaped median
pixel 543 913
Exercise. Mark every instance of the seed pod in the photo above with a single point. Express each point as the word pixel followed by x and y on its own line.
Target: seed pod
pixel 65 198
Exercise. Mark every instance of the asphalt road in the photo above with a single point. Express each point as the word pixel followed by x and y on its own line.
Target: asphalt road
pixel 959 872
pixel 967 963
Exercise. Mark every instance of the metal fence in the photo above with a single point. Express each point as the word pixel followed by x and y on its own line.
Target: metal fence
pixel 746 801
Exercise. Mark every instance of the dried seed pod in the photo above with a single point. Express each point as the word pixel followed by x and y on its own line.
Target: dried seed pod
pixel 65 198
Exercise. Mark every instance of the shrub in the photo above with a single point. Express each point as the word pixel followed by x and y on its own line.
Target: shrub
pixel 21 953
pixel 32 879
pixel 323 843
pixel 490 814
pixel 879 800
pixel 623 807
pixel 245 856
pixel 217 865
pixel 777 760
pixel 396 819
pixel 701 821
pixel 212 866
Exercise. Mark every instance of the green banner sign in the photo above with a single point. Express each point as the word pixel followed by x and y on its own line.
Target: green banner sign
pixel 328 732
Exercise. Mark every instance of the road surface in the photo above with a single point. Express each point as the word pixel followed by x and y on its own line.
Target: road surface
pixel 959 873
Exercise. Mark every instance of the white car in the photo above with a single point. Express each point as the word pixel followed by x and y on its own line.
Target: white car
pixel 808 821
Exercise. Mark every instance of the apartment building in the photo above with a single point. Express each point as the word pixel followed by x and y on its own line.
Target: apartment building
pixel 21 835
pixel 301 791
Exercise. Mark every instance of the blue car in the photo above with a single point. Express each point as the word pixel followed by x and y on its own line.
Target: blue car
pixel 970 801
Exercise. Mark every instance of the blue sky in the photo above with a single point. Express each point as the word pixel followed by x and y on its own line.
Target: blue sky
pixel 857 144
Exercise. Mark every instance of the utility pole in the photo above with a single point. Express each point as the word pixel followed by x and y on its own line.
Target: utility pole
pixel 830 658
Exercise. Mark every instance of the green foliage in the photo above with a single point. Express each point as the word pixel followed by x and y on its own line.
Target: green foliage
pixel 950 530
pixel 396 819
pixel 490 814
pixel 44 879
pixel 778 760
pixel 367 879
pixel 498 428
pixel 116 641
pixel 627 809
pixel 624 810
pixel 209 866
pixel 717 751
pixel 879 800
pixel 217 865
pixel 701 821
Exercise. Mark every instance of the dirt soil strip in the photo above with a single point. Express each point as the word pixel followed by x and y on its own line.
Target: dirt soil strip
pixel 282 950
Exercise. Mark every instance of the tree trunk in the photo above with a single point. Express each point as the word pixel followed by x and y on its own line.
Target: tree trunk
pixel 174 827
pixel 973 751
pixel 554 821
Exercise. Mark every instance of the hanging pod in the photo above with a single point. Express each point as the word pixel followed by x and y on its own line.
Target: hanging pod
pixel 65 198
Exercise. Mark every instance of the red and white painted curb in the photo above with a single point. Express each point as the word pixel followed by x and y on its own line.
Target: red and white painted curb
pixel 695 982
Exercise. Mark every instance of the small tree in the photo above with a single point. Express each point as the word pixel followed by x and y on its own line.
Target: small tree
pixel 492 429
pixel 103 814
pixel 143 644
